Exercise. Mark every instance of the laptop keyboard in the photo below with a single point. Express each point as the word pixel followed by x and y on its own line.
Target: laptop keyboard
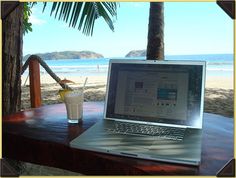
pixel 172 133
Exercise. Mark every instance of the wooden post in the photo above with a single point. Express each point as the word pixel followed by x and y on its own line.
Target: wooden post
pixel 35 90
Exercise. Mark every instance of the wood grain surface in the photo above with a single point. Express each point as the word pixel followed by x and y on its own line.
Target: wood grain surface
pixel 42 136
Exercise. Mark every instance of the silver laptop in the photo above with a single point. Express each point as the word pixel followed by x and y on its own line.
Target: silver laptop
pixel 153 110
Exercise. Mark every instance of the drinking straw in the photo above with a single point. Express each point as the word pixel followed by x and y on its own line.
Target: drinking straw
pixel 85 83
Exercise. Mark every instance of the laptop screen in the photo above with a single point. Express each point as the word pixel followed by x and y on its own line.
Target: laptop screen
pixel 151 92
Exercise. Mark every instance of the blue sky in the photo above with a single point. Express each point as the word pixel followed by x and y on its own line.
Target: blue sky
pixel 190 28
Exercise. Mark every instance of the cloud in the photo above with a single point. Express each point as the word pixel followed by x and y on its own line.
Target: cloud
pixel 36 21
pixel 34 18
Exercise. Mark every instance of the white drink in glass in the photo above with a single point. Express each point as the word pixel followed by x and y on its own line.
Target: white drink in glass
pixel 74 105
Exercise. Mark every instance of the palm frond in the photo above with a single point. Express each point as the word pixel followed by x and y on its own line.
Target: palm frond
pixel 44 5
pixel 75 14
pixel 84 14
pixel 62 11
pixel 68 11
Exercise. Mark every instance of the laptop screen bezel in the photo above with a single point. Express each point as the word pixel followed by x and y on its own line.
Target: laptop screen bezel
pixel 155 62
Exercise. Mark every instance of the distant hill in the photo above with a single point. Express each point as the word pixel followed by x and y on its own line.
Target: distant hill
pixel 67 55
pixel 136 53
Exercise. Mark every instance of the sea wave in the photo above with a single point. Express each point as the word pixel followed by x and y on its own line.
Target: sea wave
pixel 80 66
pixel 219 63
pixel 222 64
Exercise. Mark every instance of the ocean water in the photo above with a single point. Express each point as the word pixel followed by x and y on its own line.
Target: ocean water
pixel 217 65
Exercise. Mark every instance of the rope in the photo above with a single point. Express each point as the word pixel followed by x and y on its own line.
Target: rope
pixel 26 80
pixel 46 67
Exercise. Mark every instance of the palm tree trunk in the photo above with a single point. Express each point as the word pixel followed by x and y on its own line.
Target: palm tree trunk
pixel 12 60
pixel 155 46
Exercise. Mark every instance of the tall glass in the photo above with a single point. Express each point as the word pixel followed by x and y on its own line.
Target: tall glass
pixel 74 105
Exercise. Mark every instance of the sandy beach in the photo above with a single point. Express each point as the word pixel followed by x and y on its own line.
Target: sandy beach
pixel 218 92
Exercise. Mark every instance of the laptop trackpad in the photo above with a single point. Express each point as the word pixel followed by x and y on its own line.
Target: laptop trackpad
pixel 142 144
pixel 135 143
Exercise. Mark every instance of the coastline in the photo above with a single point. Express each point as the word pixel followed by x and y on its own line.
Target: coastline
pixel 218 92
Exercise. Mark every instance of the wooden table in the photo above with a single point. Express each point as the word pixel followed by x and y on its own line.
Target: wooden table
pixel 42 136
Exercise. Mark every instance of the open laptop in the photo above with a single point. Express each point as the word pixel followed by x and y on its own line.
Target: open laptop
pixel 153 110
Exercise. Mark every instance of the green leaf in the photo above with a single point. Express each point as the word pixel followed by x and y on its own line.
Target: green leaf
pixel 77 14
pixel 62 10
pixel 68 12
pixel 30 29
pixel 44 5
pixel 26 13
pixel 58 6
pixel 54 5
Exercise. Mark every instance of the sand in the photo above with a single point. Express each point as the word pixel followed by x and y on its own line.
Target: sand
pixel 218 92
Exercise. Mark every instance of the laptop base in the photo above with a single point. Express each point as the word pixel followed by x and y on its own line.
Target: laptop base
pixel 96 138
